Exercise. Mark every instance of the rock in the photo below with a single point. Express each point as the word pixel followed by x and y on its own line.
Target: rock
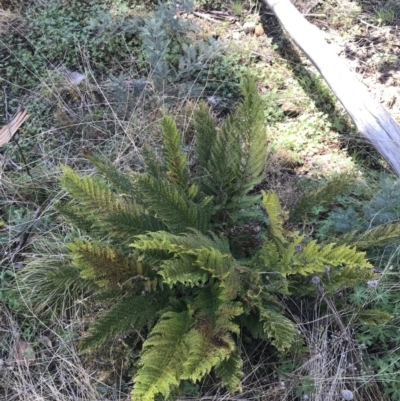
pixel 258 30
pixel 249 27
pixel 236 35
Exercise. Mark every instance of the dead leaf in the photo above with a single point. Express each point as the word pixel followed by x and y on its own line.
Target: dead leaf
pixel 259 30
pixel 76 77
pixel 46 341
pixel 24 353
pixel 9 130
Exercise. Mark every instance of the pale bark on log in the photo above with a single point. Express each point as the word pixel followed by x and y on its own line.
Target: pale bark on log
pixel 371 118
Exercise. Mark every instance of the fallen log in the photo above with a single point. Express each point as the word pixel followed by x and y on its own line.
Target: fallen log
pixel 371 119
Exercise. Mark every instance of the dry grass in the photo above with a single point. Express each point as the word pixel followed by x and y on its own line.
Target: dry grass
pixel 53 372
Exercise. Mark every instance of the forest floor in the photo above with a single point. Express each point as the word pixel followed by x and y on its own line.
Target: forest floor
pixel 74 66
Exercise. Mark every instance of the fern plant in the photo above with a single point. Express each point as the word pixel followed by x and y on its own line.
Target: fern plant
pixel 191 254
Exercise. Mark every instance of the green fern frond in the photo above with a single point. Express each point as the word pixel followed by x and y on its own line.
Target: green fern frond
pixel 94 193
pixel 270 258
pixel 379 236
pixel 272 205
pixel 221 178
pixel 174 159
pixel 279 329
pixel 120 181
pixel 164 353
pixel 129 314
pixel 172 206
pixel 251 320
pixel 76 216
pixel 323 196
pixel 186 243
pixel 213 261
pixel 230 372
pixel 205 135
pixel 249 117
pixel 373 317
pixel 125 224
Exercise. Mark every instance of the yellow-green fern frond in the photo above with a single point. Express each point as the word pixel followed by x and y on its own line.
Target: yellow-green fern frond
pixel 215 262
pixel 174 159
pixel 230 372
pixel 205 352
pixel 186 243
pixel 272 205
pixel 184 270
pixel 372 317
pixel 210 341
pixel 193 256
pixel 278 328
pixel 164 353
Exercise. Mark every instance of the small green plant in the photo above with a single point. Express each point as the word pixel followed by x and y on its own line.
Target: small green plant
pixel 237 6
pixel 190 255
pixel 385 16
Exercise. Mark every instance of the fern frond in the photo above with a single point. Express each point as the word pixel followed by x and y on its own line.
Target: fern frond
pixel 230 372
pixel 183 270
pixel 373 317
pixel 210 341
pixel 205 135
pixel 125 224
pixel 164 353
pixel 220 178
pixel 120 181
pixel 379 236
pixel 205 352
pixel 322 196
pixel 153 166
pixel 278 328
pixel 273 207
pixel 213 261
pixel 195 254
pixel 102 263
pixel 75 215
pixel 250 123
pixel 94 193
pixel 129 314
pixel 174 159
pixel 172 206
pixel 186 243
